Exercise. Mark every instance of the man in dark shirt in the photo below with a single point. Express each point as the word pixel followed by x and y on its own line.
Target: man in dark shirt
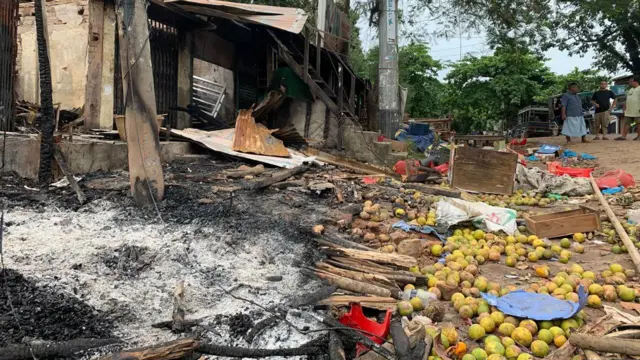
pixel 602 101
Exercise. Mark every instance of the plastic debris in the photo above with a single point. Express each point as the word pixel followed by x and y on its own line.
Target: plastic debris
pixel 585 156
pixel 532 158
pixel 569 153
pixel 614 190
pixel 405 226
pixel 614 178
pixel 355 319
pixel 489 218
pixel 548 149
pixel 536 306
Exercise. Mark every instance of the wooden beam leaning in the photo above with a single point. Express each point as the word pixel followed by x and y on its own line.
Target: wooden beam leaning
pixel 93 88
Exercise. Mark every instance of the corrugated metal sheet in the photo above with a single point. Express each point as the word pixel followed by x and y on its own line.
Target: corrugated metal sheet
pixel 284 18
pixel 222 141
pixel 256 138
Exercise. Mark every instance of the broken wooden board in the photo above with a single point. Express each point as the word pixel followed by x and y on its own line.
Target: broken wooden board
pixel 371 302
pixel 222 141
pixel 350 164
pixel 484 171
pixel 564 223
pixel 256 138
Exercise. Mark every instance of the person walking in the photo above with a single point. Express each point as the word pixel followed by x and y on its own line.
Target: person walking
pixel 601 99
pixel 631 110
pixel 572 114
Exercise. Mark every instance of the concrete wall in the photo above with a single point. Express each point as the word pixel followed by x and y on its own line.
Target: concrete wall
pixel 67 22
pixel 219 75
pixel 298 116
pixel 83 157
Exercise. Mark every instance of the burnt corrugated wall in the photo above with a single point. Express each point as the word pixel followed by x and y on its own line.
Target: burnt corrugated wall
pixel 8 34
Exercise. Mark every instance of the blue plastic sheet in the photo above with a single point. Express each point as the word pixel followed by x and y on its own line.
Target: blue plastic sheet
pixel 422 142
pixel 403 225
pixel 532 158
pixel 536 306
pixel 547 149
pixel 585 156
pixel 569 153
pixel 611 191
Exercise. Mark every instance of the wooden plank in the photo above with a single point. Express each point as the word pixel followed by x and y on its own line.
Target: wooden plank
pixel 479 137
pixel 371 302
pixel 315 89
pixel 433 190
pixel 349 164
pixel 318 51
pixel 93 89
pixel 306 53
pixel 340 104
pixel 633 252
pixel 185 77
pixel 403 261
pixel 563 223
pixel 105 117
pixel 145 168
pixel 352 93
pixel 484 171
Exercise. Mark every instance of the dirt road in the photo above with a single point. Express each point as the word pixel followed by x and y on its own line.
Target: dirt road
pixel 610 154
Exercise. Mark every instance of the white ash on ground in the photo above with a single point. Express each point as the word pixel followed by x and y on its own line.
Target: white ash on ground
pixel 127 266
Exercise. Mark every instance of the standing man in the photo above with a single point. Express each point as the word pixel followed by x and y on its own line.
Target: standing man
pixel 602 101
pixel 572 115
pixel 631 109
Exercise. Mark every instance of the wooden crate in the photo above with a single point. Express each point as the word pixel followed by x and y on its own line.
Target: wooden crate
pixel 564 223
pixel 484 171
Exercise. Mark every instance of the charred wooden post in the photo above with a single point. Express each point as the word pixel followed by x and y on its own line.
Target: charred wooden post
pixel 145 168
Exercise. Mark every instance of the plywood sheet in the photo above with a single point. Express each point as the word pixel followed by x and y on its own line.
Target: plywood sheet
pixel 485 171
pixel 256 138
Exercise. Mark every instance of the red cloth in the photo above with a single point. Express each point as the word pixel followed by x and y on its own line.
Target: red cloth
pixel 519 142
pixel 615 178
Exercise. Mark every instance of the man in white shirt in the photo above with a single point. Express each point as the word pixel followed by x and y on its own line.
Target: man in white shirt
pixel 631 110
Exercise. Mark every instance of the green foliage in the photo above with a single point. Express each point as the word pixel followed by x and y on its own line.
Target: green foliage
pixel 418 72
pixel 610 28
pixel 483 92
pixel 588 80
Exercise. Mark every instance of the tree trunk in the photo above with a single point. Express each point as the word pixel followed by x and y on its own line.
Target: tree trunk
pixel 45 174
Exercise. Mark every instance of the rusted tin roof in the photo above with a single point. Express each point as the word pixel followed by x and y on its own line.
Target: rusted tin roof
pixel 284 18
pixel 256 138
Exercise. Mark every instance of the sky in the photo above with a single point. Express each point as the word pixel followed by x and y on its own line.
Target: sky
pixel 450 50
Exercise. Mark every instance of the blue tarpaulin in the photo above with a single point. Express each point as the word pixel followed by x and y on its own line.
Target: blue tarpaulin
pixel 421 139
pixel 403 225
pixel 611 191
pixel 585 156
pixel 569 153
pixel 536 306
pixel 532 158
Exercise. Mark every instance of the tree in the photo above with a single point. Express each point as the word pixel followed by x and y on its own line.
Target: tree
pixel 417 71
pixel 484 92
pixel 610 28
pixel 588 80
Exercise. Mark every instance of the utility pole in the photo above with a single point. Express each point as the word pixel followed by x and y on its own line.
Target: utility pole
pixel 388 98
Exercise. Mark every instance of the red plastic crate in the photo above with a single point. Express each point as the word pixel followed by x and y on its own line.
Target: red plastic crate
pixel 555 168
